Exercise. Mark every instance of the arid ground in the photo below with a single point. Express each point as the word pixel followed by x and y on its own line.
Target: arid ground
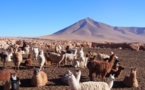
pixel 127 59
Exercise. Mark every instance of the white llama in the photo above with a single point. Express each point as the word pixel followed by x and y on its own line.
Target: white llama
pixel 75 85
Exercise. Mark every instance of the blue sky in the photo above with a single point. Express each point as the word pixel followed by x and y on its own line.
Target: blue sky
pixel 43 17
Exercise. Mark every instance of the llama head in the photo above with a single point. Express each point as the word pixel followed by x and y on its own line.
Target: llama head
pixel 36 71
pixel 81 51
pixel 15 81
pixel 19 49
pixel 92 58
pixel 13 76
pixel 112 57
pixel 78 75
pixel 111 77
pixel 77 72
pixel 133 70
pixel 121 68
pixel 69 75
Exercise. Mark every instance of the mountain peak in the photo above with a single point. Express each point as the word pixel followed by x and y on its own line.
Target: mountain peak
pixel 88 19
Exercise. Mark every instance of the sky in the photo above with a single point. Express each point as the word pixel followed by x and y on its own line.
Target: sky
pixel 28 18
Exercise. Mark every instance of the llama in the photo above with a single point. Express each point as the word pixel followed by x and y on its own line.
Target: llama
pixel 116 71
pixel 17 58
pixel 13 83
pixel 4 55
pixel 35 52
pixel 39 78
pixel 102 56
pixel 75 85
pixel 7 58
pixel 53 57
pixel 82 59
pixel 29 61
pixel 58 48
pixel 5 74
pixel 100 67
pixel 69 57
pixel 64 77
pixel 9 55
pixel 131 80
pixel 41 59
pixel 27 49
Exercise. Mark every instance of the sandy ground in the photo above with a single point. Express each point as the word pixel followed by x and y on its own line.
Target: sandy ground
pixel 127 59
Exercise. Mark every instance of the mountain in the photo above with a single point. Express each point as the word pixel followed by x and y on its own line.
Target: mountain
pixel 91 30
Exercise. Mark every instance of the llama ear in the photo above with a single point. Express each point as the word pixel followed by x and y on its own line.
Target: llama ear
pixel 111 75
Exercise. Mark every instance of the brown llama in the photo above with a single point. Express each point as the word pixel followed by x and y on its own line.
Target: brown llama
pixel 116 71
pixel 48 62
pixel 5 74
pixel 29 61
pixel 101 68
pixel 17 58
pixel 131 80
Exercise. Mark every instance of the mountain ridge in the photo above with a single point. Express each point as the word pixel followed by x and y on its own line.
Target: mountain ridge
pixel 91 30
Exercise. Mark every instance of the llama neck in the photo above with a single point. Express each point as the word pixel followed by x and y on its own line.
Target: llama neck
pixel 112 59
pixel 133 75
pixel 78 76
pixel 81 54
pixel 73 83
pixel 110 83
pixel 75 52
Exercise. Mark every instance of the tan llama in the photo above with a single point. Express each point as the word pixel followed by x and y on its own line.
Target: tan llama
pixel 131 80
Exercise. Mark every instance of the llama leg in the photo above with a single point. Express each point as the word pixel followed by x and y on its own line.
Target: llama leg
pixel 91 75
pixel 59 62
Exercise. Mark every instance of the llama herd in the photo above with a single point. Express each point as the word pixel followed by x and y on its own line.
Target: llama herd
pixel 104 66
